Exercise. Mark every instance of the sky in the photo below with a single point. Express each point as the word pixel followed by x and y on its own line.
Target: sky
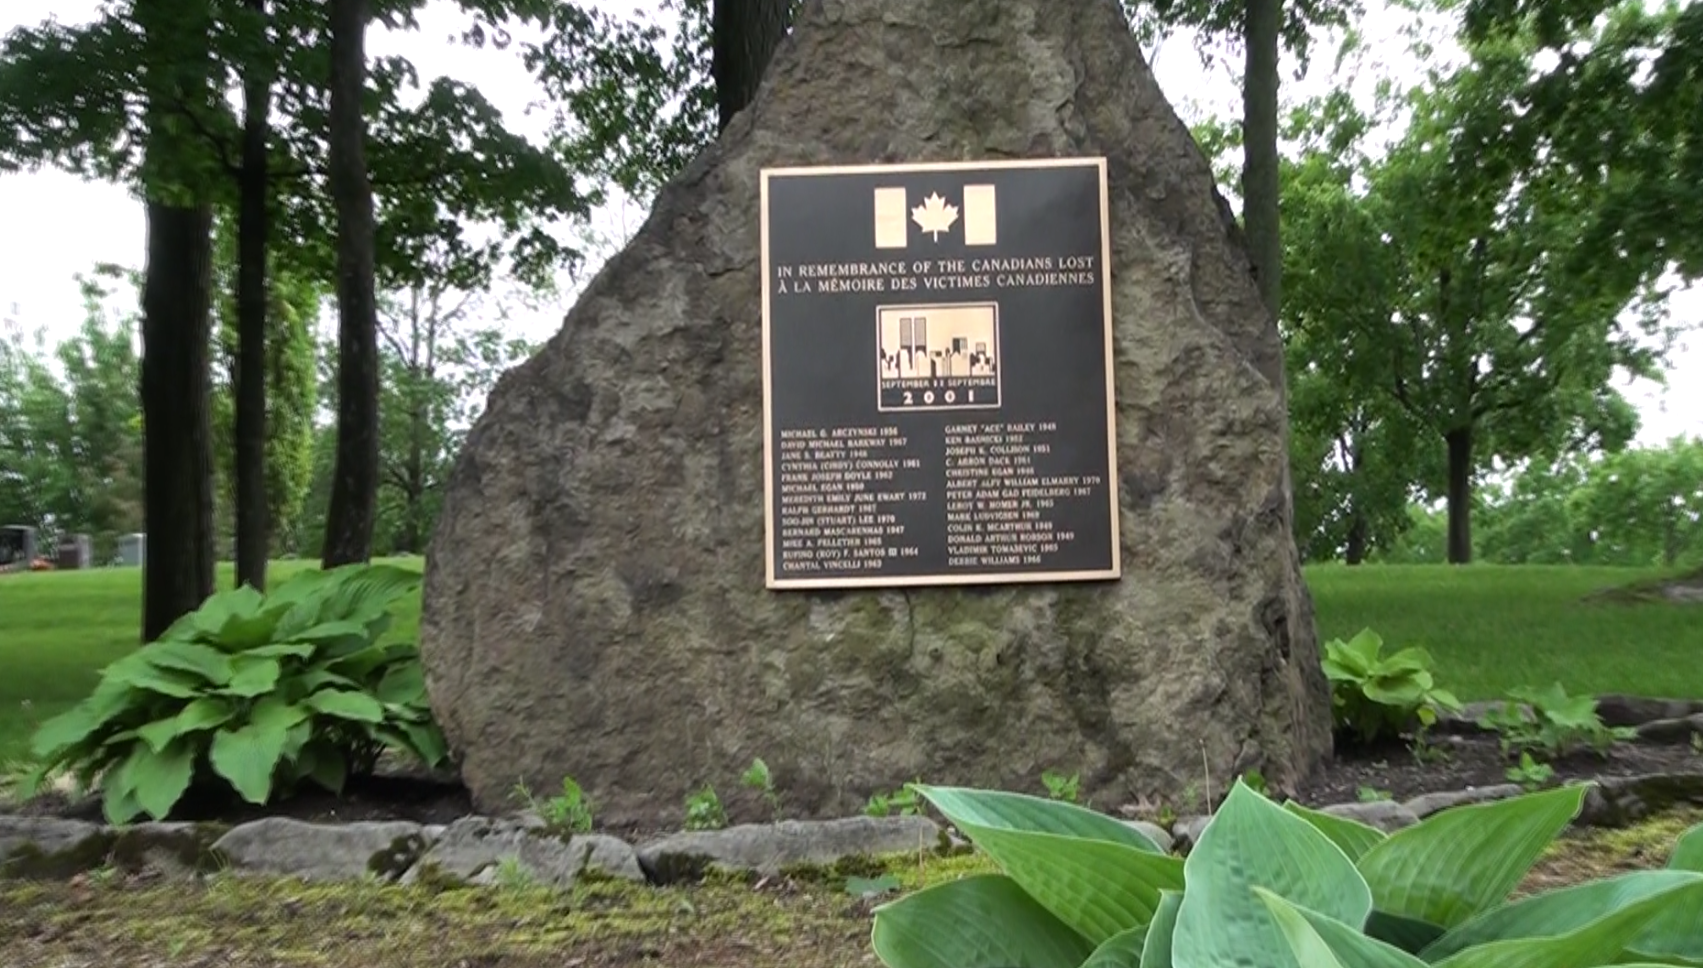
pixel 58 226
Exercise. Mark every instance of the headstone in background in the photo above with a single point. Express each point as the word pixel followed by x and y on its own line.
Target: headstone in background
pixel 132 550
pixel 76 553
pixel 17 546
pixel 594 597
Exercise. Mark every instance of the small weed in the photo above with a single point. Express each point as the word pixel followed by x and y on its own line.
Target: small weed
pixel 704 810
pixel 1553 723
pixel 757 777
pixel 569 810
pixel 1061 787
pixel 1370 794
pixel 1255 781
pixel 1530 773
pixel 512 875
pixel 1426 752
pixel 902 802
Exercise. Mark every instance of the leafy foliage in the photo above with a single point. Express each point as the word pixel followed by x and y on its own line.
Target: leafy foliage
pixel 1378 696
pixel 257 692
pixel 1285 887
pixel 1547 721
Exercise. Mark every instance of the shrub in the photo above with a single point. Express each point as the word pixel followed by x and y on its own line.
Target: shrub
pixel 1377 696
pixel 1284 886
pixel 1554 723
pixel 257 692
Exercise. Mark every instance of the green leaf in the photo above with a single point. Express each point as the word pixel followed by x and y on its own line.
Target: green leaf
pixel 1354 837
pixel 326 766
pixel 248 756
pixel 1319 941
pixel 110 699
pixel 1252 842
pixel 1555 912
pixel 253 676
pixel 158 779
pixel 1465 860
pixel 403 685
pixel 202 660
pixel 1156 950
pixel 1688 851
pixel 425 741
pixel 979 921
pixel 1099 887
pixel 1409 934
pixel 199 714
pixel 135 671
pixel 1121 950
pixel 280 650
pixel 357 706
pixel 1600 942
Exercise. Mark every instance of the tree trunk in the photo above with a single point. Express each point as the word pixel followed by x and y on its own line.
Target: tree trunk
pixel 1460 495
pixel 177 572
pixel 1358 538
pixel 253 525
pixel 1261 29
pixel 744 35
pixel 354 483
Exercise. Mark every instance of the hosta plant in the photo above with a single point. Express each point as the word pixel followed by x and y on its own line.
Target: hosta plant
pixel 253 692
pixel 1377 696
pixel 1285 887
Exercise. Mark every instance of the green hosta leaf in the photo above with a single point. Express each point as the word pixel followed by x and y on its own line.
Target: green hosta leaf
pixel 333 631
pixel 1600 942
pixel 1023 812
pixel 1121 950
pixel 159 779
pixel 318 678
pixel 361 593
pixel 1099 887
pixel 1465 860
pixel 1409 934
pixel 199 714
pixel 1556 912
pixel 248 756
pixel 220 609
pixel 325 765
pixel 403 685
pixel 118 797
pixel 202 660
pixel 980 921
pixel 107 702
pixel 1412 659
pixel 253 676
pixel 1354 837
pixel 1156 948
pixel 135 671
pixel 1252 842
pixel 357 706
pixel 1688 851
pixel 425 741
pixel 1319 941
pixel 1394 692
pixel 280 650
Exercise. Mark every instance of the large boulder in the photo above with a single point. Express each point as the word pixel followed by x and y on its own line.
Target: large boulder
pixel 594 596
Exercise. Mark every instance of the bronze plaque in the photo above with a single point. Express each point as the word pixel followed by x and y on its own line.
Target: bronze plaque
pixel 937 374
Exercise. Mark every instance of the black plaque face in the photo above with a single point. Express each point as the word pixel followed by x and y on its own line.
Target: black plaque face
pixel 937 356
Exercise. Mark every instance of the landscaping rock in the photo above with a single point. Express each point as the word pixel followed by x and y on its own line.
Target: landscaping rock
pixel 1152 831
pixel 1681 730
pixel 1386 815
pixel 47 847
pixel 1427 804
pixel 596 573
pixel 1186 832
pixel 1620 800
pixel 474 849
pixel 172 849
pixel 323 852
pixel 1619 710
pixel 768 848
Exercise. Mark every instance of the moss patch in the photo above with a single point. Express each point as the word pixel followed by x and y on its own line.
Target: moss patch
pixel 1592 853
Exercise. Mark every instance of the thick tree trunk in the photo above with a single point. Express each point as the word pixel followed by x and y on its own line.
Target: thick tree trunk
pixel 1358 539
pixel 354 483
pixel 1261 29
pixel 177 574
pixel 744 35
pixel 253 524
pixel 1460 495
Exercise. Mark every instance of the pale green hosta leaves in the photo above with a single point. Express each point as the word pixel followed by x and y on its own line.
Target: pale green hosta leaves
pixel 1465 860
pixel 1688 851
pixel 1121 950
pixel 248 756
pixel 1156 948
pixel 1600 942
pixel 1557 912
pixel 1317 941
pixel 1254 843
pixel 980 921
pixel 1099 887
pixel 1354 837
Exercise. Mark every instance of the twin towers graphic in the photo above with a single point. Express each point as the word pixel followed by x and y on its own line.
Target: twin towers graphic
pixel 935 216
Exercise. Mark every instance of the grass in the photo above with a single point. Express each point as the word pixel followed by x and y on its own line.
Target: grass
pixel 722 923
pixel 1490 628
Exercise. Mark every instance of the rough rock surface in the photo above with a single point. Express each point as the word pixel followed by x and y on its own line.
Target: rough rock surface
pixel 323 852
pixel 1386 815
pixel 1427 804
pixel 767 848
pixel 474 847
pixel 594 598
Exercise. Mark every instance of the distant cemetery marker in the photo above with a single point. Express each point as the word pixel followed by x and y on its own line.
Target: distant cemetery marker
pixel 937 354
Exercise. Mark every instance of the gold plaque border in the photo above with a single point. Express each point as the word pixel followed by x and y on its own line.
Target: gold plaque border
pixel 775 583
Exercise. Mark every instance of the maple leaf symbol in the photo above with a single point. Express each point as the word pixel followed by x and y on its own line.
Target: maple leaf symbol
pixel 934 215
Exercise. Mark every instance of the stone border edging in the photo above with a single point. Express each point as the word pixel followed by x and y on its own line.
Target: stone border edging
pixel 1657 720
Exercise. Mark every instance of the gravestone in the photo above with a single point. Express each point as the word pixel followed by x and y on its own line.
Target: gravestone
pixel 75 552
pixel 729 511
pixel 17 546
pixel 132 549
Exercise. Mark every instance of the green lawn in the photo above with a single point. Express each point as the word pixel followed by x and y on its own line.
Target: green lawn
pixel 1489 627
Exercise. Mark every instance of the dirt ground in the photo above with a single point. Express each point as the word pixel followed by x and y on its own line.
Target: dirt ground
pixel 227 922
